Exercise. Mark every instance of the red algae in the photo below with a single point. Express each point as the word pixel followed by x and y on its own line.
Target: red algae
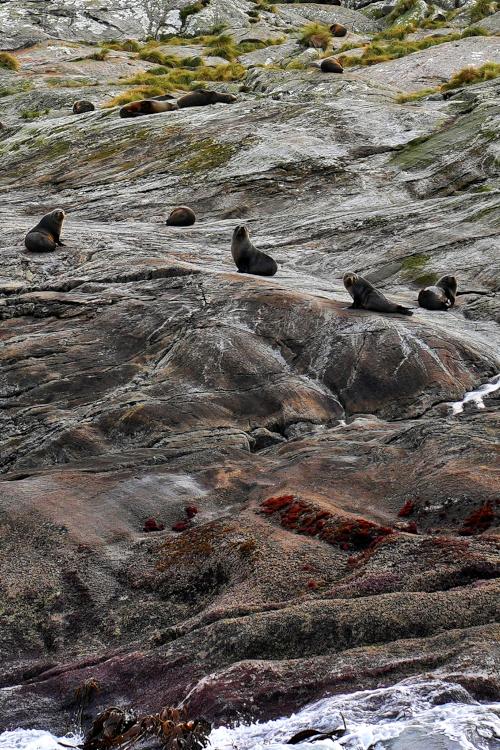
pixel 191 511
pixel 180 526
pixel 407 509
pixel 478 521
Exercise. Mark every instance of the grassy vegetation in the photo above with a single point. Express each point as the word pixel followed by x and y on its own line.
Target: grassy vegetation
pixel 16 88
pixel 32 114
pixel 154 84
pixel 315 35
pixel 189 10
pixel 465 77
pixel 471 74
pixel 382 49
pixel 482 9
pixel 101 54
pixel 401 7
pixel 9 61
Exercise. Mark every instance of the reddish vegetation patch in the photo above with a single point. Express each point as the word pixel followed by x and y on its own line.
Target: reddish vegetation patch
pixel 478 521
pixel 305 518
pixel 180 526
pixel 407 509
pixel 312 584
pixel 410 528
pixel 191 511
pixel 151 524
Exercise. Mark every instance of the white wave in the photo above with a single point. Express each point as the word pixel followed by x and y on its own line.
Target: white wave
pixel 416 714
pixel 476 396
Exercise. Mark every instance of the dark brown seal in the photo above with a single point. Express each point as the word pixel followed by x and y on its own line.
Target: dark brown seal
pixel 81 106
pixel 365 296
pixel 182 216
pixel 202 97
pixel 441 296
pixel 336 29
pixel 47 234
pixel 146 107
pixel 247 258
pixel 331 65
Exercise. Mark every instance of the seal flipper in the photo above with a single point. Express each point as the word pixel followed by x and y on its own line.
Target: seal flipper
pixel 403 310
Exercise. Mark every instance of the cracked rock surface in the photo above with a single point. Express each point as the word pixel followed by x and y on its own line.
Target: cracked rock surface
pixel 345 525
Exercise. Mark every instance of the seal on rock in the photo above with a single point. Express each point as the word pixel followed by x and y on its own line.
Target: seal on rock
pixel 182 216
pixel 47 234
pixel 247 258
pixel 81 106
pixel 331 65
pixel 441 296
pixel 336 29
pixel 202 97
pixel 147 107
pixel 365 296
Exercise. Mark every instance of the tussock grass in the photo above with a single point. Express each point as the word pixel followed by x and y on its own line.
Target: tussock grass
pixel 482 9
pixel 317 31
pixel 150 84
pixel 382 50
pixel 471 74
pixel 465 77
pixel 8 61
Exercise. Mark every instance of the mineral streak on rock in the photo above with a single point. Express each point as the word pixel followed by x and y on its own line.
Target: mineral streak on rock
pixel 321 521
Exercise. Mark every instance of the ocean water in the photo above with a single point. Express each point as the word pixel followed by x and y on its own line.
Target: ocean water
pixel 416 714
pixel 476 397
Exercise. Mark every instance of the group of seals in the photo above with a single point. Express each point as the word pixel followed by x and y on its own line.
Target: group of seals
pixel 441 296
pixel 196 98
pixel 47 234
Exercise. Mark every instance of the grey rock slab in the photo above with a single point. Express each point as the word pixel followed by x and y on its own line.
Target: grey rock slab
pixel 434 65
pixel 297 15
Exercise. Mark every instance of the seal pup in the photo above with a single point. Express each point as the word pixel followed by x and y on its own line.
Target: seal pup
pixel 247 258
pixel 365 296
pixel 182 216
pixel 81 106
pixel 202 97
pixel 147 107
pixel 331 65
pixel 47 234
pixel 336 29
pixel 441 296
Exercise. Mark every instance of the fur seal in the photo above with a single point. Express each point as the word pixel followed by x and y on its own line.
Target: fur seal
pixel 336 29
pixel 247 258
pixel 365 296
pixel 202 97
pixel 441 296
pixel 146 107
pixel 331 65
pixel 81 106
pixel 46 235
pixel 182 216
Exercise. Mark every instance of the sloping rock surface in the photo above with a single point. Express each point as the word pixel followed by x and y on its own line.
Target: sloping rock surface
pixel 335 517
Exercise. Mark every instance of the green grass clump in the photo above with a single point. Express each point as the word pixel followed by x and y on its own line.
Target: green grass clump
pixel 471 74
pixel 401 7
pixel 415 96
pixel 32 114
pixel 384 50
pixel 189 10
pixel 17 88
pixel 395 32
pixel 222 45
pixel 150 84
pixel 101 54
pixel 9 62
pixel 317 31
pixel 482 9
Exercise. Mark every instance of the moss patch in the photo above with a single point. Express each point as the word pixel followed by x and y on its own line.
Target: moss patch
pixel 208 154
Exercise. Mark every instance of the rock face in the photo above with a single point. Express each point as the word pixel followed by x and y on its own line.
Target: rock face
pixel 322 520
